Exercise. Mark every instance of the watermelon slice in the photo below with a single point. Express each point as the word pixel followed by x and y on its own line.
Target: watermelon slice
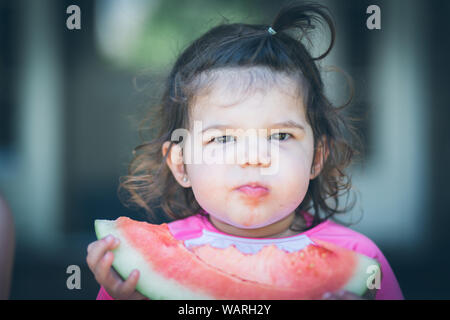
pixel 171 270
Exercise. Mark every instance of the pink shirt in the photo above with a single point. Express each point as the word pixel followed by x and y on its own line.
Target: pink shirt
pixel 328 230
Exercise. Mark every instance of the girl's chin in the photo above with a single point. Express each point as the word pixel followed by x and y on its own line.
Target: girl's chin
pixel 252 222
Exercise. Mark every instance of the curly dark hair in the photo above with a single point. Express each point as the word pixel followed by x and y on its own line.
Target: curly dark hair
pixel 150 183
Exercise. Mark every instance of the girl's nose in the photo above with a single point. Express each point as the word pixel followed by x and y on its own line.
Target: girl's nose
pixel 254 151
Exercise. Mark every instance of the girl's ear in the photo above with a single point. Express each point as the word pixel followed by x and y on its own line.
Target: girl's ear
pixel 320 156
pixel 175 162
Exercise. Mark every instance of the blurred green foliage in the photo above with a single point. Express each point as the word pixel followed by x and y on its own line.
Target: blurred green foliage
pixel 172 24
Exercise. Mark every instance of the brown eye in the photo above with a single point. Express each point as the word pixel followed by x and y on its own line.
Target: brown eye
pixel 222 139
pixel 282 136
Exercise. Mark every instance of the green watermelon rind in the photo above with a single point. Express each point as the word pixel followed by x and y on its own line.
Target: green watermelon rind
pixel 358 283
pixel 156 287
pixel 125 261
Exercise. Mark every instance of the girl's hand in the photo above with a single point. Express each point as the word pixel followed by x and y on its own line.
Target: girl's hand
pixel 100 259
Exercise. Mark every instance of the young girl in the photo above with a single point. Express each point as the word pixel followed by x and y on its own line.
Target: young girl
pixel 235 80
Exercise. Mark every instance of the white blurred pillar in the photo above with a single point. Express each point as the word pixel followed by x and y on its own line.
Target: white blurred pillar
pixel 395 185
pixel 38 195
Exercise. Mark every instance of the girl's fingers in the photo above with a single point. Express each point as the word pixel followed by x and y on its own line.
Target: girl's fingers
pixel 113 283
pixel 100 261
pixel 127 288
pixel 97 249
pixel 113 277
pixel 138 296
pixel 102 269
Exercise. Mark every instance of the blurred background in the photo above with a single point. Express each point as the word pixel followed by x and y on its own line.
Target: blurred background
pixel 71 101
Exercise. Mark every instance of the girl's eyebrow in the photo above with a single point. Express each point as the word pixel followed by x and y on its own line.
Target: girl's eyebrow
pixel 284 124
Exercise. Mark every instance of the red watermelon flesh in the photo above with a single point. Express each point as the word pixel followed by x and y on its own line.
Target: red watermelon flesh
pixel 169 270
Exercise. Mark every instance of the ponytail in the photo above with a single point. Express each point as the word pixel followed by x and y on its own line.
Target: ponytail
pixel 302 15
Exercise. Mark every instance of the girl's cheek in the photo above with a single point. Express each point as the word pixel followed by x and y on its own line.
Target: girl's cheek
pixel 295 184
pixel 207 179
pixel 294 174
pixel 297 159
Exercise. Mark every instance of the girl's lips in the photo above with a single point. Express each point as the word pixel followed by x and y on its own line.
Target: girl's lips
pixel 253 190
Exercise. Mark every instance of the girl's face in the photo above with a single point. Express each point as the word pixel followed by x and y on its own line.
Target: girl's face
pixel 261 140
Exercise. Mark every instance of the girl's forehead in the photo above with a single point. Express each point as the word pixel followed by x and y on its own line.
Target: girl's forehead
pixel 246 80
pixel 220 90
